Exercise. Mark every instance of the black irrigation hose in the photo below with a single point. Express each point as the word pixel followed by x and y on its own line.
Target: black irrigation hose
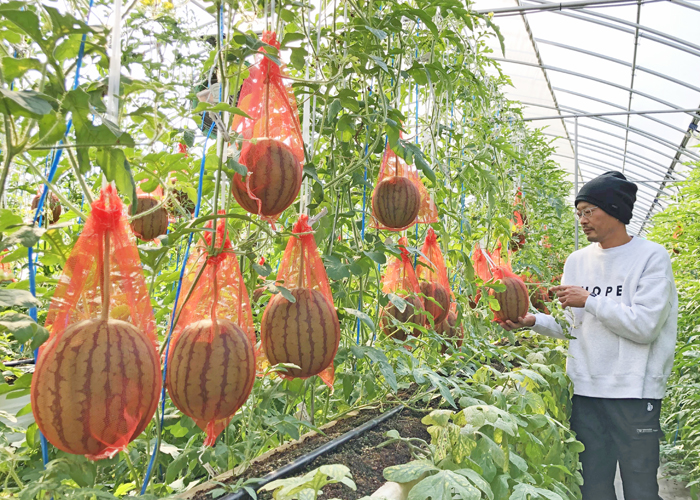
pixel 18 362
pixel 305 460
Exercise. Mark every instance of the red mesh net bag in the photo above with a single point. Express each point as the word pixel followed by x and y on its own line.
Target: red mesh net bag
pixel 433 280
pixel 273 148
pixel 305 332
pixel 400 199
pixel 98 377
pixel 211 357
pixel 400 279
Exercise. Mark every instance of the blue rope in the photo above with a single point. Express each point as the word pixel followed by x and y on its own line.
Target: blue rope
pixel 362 232
pixel 37 217
pixel 149 470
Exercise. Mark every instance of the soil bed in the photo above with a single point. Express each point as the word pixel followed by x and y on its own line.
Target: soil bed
pixel 366 461
pixel 361 455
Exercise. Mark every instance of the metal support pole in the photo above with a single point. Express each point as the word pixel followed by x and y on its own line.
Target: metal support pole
pixel 575 180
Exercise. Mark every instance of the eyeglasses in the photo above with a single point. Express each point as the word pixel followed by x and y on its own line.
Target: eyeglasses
pixel 585 213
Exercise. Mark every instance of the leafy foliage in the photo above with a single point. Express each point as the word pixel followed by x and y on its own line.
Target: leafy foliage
pixel 676 228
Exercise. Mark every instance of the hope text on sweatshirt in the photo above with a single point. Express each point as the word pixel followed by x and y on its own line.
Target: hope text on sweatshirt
pixel 625 337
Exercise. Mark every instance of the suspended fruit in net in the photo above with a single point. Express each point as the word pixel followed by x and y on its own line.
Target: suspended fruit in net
pixel 52 206
pixel 305 333
pixel 273 180
pixel 152 225
pixel 437 292
pixel 396 202
pixel 95 387
pixel 449 331
pixel 410 314
pixel 211 370
pixel 514 301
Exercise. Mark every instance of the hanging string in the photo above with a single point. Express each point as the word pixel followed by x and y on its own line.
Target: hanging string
pixel 415 257
pixel 362 230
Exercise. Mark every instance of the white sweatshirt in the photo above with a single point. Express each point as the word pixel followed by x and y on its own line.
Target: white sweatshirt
pixel 626 336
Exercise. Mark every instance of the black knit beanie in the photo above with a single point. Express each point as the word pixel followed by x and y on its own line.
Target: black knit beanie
pixel 613 193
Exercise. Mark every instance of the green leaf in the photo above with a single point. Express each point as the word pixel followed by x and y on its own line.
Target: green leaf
pixel 263 270
pixel 222 106
pixel 238 168
pixel 33 103
pixel 442 485
pixel 495 451
pixel 27 236
pixel 23 328
pixel 335 268
pixel 524 491
pixel 285 293
pixel 14 68
pixel 27 21
pixel 405 473
pixel 188 138
pixel 377 257
pixel 298 57
pixel 17 298
pixel 116 168
pixel 477 480
pixel 8 218
pixel 398 302
pixel 379 62
pixel 437 417
pixel 361 316
pixel 381 35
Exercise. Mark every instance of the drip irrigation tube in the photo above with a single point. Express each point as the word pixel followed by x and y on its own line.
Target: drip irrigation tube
pixel 305 460
pixel 18 362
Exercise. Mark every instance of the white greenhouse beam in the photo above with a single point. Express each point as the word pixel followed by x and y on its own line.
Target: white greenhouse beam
pixel 631 27
pixel 618 61
pixel 592 78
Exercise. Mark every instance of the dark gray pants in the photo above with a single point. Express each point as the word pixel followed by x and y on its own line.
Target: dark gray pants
pixel 618 430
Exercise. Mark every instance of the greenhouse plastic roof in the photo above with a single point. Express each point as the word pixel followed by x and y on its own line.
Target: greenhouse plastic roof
pixel 614 56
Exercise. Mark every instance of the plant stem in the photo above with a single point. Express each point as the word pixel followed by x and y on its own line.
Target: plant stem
pixel 9 154
pixel 134 474
pixel 81 179
pixel 105 278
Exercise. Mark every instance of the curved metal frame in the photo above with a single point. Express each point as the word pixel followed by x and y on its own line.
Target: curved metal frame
pixel 612 148
pixel 594 79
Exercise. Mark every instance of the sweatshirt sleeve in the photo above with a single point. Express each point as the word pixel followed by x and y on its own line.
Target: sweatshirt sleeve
pixel 547 325
pixel 643 320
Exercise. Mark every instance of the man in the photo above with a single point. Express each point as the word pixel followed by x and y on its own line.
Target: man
pixel 624 307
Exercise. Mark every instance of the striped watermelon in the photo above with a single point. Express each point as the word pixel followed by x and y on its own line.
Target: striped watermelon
pixel 95 387
pixel 52 206
pixel 305 332
pixel 408 315
pixel 396 202
pixel 437 292
pixel 450 332
pixel 514 301
pixel 211 370
pixel 274 175
pixel 150 226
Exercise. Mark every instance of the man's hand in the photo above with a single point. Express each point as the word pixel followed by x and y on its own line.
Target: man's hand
pixel 526 321
pixel 571 295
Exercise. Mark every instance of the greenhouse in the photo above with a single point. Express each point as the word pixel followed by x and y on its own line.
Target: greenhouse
pixel 349 249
